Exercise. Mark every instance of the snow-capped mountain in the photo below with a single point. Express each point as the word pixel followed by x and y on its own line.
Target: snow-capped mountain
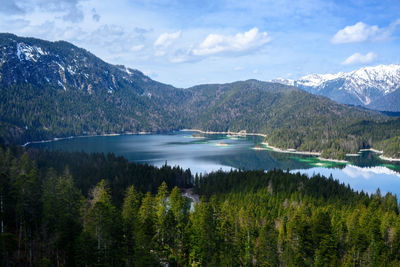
pixel 58 89
pixel 373 87
pixel 60 65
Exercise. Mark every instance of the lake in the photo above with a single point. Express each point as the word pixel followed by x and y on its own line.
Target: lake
pixel 209 152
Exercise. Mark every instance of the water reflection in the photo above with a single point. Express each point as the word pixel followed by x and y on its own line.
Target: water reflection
pixel 368 179
pixel 206 153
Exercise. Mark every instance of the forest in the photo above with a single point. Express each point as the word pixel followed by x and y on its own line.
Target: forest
pixel 78 209
pixel 100 98
pixel 290 118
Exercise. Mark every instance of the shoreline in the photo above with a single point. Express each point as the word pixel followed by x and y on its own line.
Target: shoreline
pixel 389 158
pixel 81 136
pixel 241 133
pixel 382 157
pixel 293 151
pixel 229 132
pixel 372 150
pixel 289 151
pixel 334 160
pixel 353 154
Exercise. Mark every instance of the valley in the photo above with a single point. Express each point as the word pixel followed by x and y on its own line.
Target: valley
pixel 158 133
pixel 225 151
pixel 99 98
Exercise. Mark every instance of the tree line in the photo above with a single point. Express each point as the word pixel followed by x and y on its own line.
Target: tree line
pixel 288 116
pixel 118 213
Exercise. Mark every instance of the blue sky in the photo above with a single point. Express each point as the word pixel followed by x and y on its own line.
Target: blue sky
pixel 184 43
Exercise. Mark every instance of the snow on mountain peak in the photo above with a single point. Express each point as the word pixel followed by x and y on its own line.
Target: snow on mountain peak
pixel 366 84
pixel 318 79
pixel 383 78
pixel 27 52
pixel 283 81
pixel 380 73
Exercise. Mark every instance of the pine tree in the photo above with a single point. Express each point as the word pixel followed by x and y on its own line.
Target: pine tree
pixel 267 250
pixel 148 218
pixel 102 222
pixel 130 216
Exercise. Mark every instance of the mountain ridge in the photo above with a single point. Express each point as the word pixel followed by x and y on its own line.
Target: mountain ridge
pixel 84 95
pixel 370 87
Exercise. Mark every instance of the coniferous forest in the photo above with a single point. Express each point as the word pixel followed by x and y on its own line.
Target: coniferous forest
pixel 78 209
pixel 100 98
pixel 273 93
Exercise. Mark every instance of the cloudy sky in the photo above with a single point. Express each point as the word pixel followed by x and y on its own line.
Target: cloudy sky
pixel 184 43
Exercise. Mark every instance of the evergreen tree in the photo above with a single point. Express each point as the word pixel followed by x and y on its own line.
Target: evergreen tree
pixel 102 222
pixel 130 216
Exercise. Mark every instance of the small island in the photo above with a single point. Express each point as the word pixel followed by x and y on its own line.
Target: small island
pixel 221 144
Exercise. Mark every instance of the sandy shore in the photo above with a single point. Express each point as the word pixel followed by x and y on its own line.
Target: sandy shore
pixel 229 132
pixel 372 150
pixel 388 158
pixel 221 144
pixel 333 160
pixel 293 151
pixel 290 151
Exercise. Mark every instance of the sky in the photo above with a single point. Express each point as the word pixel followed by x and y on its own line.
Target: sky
pixel 185 43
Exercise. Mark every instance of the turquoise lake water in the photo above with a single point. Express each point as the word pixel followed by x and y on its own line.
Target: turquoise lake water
pixel 207 153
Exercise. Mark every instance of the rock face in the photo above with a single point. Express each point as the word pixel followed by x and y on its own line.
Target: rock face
pixel 372 87
pixel 59 64
pixel 57 89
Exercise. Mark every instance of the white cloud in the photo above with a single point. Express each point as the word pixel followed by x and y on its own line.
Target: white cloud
pixel 357 58
pixel 368 172
pixel 166 39
pixel 361 32
pixel 358 32
pixel 136 48
pixel 216 43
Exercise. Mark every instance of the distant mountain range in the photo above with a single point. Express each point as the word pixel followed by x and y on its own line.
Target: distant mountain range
pixel 372 87
pixel 55 89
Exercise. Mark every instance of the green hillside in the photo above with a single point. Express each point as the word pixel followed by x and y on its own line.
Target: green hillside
pixel 55 89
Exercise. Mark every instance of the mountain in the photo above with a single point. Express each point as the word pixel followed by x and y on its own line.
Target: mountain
pixel 372 87
pixel 388 102
pixel 55 89
pixel 291 118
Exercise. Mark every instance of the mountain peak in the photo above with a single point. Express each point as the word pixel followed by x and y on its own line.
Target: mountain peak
pixel 363 86
pixel 61 66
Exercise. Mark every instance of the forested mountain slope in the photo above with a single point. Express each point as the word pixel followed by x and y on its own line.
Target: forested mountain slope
pixel 76 209
pixel 55 89
pixel 289 116
pixel 51 89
